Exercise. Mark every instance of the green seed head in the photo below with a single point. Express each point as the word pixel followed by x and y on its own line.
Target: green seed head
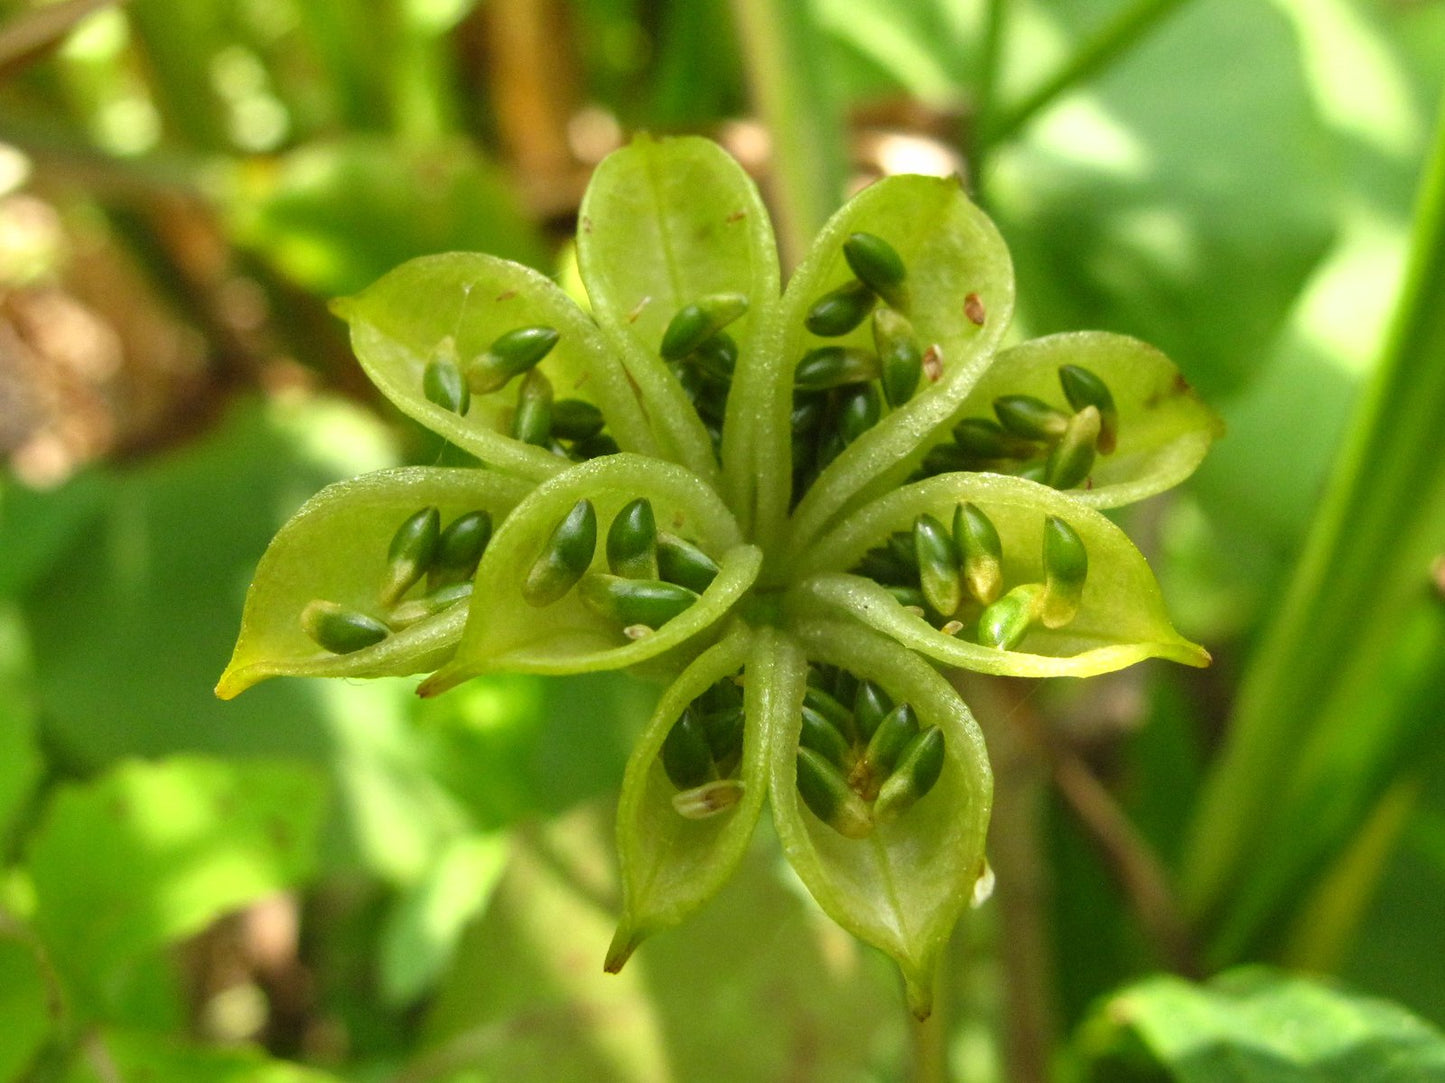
pixel 1066 567
pixel 895 730
pixel 460 548
pixel 509 355
pixel 938 570
pixel 681 562
pixel 839 311
pixel 980 552
pixel 575 419
pixel 649 602
pixel 878 264
pixel 564 558
pixel 1083 388
pixel 411 553
pixel 1007 620
pixel 917 772
pixel 828 796
pixel 442 382
pixel 859 411
pixel 632 542
pixel 701 802
pixel 899 356
pixel 694 324
pixel 532 422
pixel 686 755
pixel 835 366
pixel 340 630
pixel 1072 458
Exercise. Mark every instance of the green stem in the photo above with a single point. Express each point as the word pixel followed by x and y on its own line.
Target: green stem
pixel 1114 39
pixel 986 94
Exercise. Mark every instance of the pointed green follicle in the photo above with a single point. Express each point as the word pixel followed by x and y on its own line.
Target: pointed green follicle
pixel 649 602
pixel 340 630
pixel 839 311
pixel 717 357
pixel 595 446
pixel 576 419
pixel 899 357
pixel 686 755
pixel 1066 566
pixel 1072 458
pixel 411 553
pixel 632 541
pixel 823 738
pixel 707 800
pixel 918 769
pixel 564 558
pixel 460 548
pixel 878 264
pixel 835 366
pixel 694 324
pixel 681 562
pixel 870 706
pixel 829 797
pixel 897 728
pixel 724 729
pixel 1030 418
pixel 442 382
pixel 980 552
pixel 1083 388
pixel 984 438
pixel 859 411
pixel 1007 620
pixel 839 716
pixel 938 571
pixel 532 421
pixel 509 355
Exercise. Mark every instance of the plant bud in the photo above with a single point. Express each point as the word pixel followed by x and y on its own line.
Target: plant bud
pixel 694 324
pixel 634 601
pixel 595 446
pixel 859 411
pixel 808 410
pixel 532 421
pixel 1006 621
pixel 681 562
pixel 946 459
pixel 870 706
pixel 1083 388
pixel 442 382
pixel 564 558
pixel 826 793
pixel 411 553
pixel 716 358
pixel 984 438
pixel 835 366
pixel 1072 458
pixel 340 630
pixel 1066 566
pixel 899 358
pixel 576 419
pixel 460 548
pixel 917 772
pixel 823 738
pixel 895 730
pixel 1031 418
pixel 980 552
pixel 878 265
pixel 839 311
pixel 908 597
pixel 509 355
pixel 831 708
pixel 686 755
pixel 709 799
pixel 724 729
pixel 937 565
pixel 632 541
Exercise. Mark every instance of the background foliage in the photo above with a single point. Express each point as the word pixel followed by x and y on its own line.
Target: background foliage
pixel 332 880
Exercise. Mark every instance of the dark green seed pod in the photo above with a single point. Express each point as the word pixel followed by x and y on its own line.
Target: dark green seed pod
pixel 411 553
pixel 1072 457
pixel 717 357
pixel 878 264
pixel 902 546
pixel 532 421
pixel 826 793
pixel 870 706
pixel 910 597
pixel 835 366
pixel 564 558
pixel 946 459
pixel 1030 418
pixel 839 311
pixel 724 729
pixel 576 419
pixel 1066 566
pixel 899 356
pixel 443 384
pixel 984 438
pixel 649 602
pixel 917 772
pixel 898 727
pixel 845 687
pixel 721 695
pixel 858 411
pixel 460 548
pixel 686 755
pixel 829 707
pixel 820 675
pixel 509 355
pixel 694 324
pixel 1083 388
pixel 1007 620
pixel 709 799
pixel 681 562
pixel 882 566
pixel 823 738
pixel 595 446
pixel 1033 471
pixel 980 552
pixel 632 541
pixel 937 565
pixel 808 410
pixel 340 630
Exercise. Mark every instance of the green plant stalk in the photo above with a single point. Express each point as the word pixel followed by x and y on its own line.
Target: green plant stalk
pixel 1347 675
pixel 986 87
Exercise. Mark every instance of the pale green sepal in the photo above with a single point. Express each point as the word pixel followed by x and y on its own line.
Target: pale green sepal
pixel 398 323
pixel 903 887
pixel 1164 429
pixel 335 549
pixel 671 863
pixel 950 250
pixel 1121 618
pixel 504 632
pixel 664 223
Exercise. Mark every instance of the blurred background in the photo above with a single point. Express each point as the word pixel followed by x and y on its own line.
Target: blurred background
pixel 335 881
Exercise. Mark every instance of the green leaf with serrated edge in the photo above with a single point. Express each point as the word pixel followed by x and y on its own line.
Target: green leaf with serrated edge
pixel 671 864
pixel 1164 429
pixel 1121 619
pixel 951 251
pixel 904 886
pixel 402 321
pixel 664 223
pixel 504 632
pixel 334 549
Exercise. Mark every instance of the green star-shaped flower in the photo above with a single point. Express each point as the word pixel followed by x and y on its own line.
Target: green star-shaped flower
pixel 786 504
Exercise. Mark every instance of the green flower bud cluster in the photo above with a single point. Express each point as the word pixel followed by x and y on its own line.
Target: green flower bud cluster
pixel 862 760
pixel 703 751
pixel 703 356
pixel 954 578
pixel 839 391
pixel 1034 439
pixel 420 550
pixel 571 428
pixel 652 575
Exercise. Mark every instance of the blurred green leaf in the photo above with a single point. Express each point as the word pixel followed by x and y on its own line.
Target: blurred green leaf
pixel 24 1005
pixel 134 1055
pixel 20 759
pixel 151 852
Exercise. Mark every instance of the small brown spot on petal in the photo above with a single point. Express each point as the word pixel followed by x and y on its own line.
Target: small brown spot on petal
pixel 737 216
pixel 586 224
pixel 507 295
pixel 973 309
pixel 933 362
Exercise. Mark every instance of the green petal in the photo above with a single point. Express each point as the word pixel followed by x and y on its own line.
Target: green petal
pixel 951 251
pixel 672 864
pixel 462 302
pixel 664 223
pixel 1121 619
pixel 1164 429
pixel 903 887
pixel 504 632
pixel 335 549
